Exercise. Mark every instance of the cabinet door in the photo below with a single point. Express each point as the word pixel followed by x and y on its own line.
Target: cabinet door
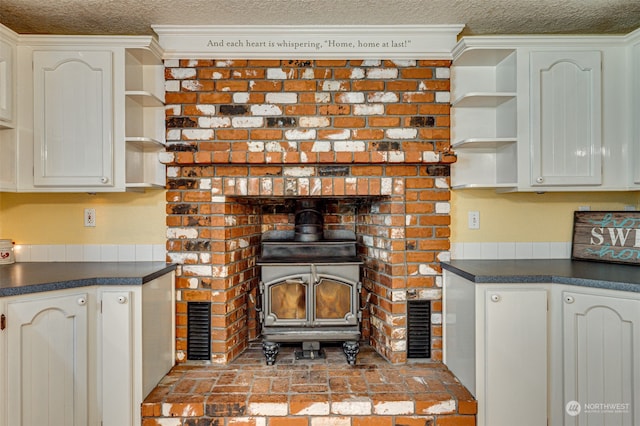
pixel 566 118
pixel 47 353
pixel 601 360
pixel 118 402
pixel 6 82
pixel 635 122
pixel 73 115
pixel 515 358
pixel 3 362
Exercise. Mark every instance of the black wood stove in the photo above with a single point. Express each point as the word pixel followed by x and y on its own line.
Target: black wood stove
pixel 310 287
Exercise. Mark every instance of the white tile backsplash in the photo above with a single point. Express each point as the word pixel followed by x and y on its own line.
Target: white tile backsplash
pixel 511 250
pixel 158 253
pixel 90 253
pixel 126 252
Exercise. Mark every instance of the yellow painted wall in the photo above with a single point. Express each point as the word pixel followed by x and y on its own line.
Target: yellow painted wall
pixel 122 218
pixel 136 218
pixel 526 217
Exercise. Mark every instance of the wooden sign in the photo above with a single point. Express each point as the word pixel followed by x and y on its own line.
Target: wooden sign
pixel 602 236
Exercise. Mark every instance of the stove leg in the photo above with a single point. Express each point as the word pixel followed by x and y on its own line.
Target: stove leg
pixel 270 350
pixel 351 350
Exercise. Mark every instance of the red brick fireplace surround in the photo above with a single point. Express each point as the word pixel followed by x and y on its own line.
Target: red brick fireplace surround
pixel 246 137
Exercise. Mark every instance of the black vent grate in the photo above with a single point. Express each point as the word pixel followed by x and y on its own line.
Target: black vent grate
pixel 198 330
pixel 419 329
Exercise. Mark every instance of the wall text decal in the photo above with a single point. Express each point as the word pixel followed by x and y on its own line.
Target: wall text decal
pixel 312 42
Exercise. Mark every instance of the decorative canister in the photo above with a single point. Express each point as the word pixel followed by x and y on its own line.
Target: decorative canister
pixel 6 252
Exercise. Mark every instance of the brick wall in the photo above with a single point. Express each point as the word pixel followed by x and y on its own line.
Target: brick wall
pixel 371 137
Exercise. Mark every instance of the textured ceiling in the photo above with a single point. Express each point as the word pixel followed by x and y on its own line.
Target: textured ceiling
pixel 480 16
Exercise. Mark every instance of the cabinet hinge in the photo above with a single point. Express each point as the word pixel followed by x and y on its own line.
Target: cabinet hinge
pixel 3 322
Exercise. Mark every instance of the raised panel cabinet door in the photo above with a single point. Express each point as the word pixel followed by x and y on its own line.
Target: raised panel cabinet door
pixel 117 347
pixel 635 121
pixel 73 118
pixel 6 81
pixel 601 360
pixel 515 358
pixel 566 118
pixel 47 351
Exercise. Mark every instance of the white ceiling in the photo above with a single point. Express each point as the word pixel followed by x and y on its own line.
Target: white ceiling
pixel 129 17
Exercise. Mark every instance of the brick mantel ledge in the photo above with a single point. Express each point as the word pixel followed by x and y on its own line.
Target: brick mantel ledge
pixel 290 157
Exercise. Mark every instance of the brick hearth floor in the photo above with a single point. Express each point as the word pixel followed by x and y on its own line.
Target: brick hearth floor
pixel 320 392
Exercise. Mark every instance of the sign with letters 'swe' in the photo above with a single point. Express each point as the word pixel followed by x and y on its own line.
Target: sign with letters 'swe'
pixel 606 236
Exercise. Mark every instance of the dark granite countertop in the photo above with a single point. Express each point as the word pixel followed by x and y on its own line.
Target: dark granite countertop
pixel 562 271
pixel 34 277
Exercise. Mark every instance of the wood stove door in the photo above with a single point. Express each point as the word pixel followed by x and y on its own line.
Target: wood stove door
pixel 286 301
pixel 334 301
pixel 310 300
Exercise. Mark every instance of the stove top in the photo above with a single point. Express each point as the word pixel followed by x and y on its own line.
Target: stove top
pixel 335 247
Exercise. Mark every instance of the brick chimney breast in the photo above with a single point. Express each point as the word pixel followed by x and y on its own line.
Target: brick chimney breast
pixel 246 138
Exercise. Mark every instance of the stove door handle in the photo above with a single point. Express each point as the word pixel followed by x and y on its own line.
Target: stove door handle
pixel 314 272
pixel 366 302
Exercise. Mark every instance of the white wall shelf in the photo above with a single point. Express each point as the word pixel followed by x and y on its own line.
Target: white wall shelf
pixel 483 117
pixel 483 99
pixel 144 121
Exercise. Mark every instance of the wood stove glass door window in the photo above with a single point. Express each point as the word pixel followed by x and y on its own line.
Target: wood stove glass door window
pixel 310 300
pixel 288 300
pixel 332 300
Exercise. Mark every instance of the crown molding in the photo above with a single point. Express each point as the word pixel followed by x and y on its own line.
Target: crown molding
pixel 307 42
pixel 506 41
pixel 8 33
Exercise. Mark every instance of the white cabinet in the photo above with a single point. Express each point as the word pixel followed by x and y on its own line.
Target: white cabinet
pixel 601 357
pixel 144 121
pixel 484 110
pixel 136 346
pixel 85 356
pixel 634 82
pixel 8 41
pixel 92 116
pixel 566 116
pixel 49 374
pixel 495 338
pixel 7 76
pixel 74 143
pixel 540 113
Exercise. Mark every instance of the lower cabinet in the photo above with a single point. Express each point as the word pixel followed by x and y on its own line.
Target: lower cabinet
pixel 496 344
pixel 49 375
pixel 85 356
pixel 514 357
pixel 137 341
pixel 544 353
pixel 600 357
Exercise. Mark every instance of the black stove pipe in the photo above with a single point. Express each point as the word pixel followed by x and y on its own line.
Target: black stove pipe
pixel 308 221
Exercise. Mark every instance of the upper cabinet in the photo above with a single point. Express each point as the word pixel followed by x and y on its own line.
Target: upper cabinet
pixel 634 83
pixel 566 118
pixel 73 108
pixel 8 42
pixel 7 79
pixel 90 117
pixel 484 112
pixel 144 121
pixel 541 114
